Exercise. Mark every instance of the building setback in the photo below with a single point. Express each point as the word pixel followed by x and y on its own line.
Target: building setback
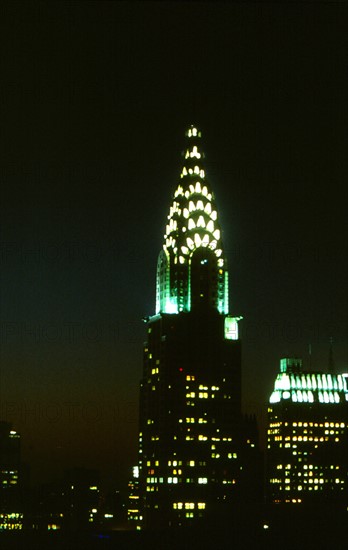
pixel 195 447
pixel 307 447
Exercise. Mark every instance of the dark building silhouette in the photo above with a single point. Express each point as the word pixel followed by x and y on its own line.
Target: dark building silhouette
pixel 11 507
pixel 71 503
pixel 307 447
pixel 195 447
pixel 81 498
pixel 113 511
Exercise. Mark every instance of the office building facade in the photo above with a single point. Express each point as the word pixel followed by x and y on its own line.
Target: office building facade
pixel 11 507
pixel 307 439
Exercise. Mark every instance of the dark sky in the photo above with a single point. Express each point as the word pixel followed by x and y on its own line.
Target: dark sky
pixel 95 99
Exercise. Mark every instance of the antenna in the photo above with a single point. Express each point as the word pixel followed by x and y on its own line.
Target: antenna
pixel 331 359
pixel 310 356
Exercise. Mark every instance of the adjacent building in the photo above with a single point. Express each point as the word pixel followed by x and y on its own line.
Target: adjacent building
pixel 195 447
pixel 71 503
pixel 307 442
pixel 11 508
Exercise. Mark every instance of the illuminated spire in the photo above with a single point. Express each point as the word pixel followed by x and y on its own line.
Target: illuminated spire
pixel 192 270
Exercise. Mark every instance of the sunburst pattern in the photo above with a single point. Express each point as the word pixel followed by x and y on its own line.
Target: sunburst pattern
pixel 192 224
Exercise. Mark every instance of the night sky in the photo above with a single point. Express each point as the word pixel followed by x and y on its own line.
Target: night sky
pixel 95 99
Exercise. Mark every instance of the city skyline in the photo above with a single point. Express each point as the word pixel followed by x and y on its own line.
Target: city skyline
pixel 95 101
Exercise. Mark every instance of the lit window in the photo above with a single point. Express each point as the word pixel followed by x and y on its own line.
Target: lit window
pixel 200 222
pixel 198 185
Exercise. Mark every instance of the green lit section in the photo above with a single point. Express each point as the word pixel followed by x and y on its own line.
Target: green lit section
pixel 231 327
pixel 293 385
pixel 290 364
pixel 192 225
pixel 225 299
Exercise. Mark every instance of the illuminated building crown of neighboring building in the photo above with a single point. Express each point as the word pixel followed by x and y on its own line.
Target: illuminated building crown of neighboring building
pixel 307 443
pixel 192 269
pixel 294 385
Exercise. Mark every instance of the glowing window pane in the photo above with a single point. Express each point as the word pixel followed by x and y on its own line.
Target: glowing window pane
pixel 324 382
pixel 205 240
pixel 197 240
pixel 190 243
pixel 191 224
pixel 207 208
pixel 210 226
pixel 201 222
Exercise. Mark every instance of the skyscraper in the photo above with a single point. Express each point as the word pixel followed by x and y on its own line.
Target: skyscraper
pixel 193 440
pixel 307 448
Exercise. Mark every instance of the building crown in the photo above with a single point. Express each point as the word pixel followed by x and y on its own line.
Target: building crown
pixel 192 269
pixel 294 385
